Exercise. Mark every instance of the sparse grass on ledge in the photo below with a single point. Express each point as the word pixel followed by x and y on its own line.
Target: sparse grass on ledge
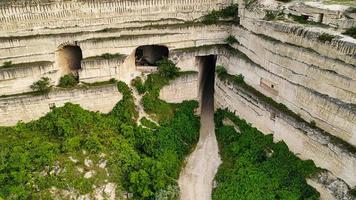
pixel 325 37
pixel 106 56
pixel 225 13
pixel 351 32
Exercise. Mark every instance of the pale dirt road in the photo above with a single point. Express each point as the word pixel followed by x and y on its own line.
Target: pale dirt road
pixel 196 179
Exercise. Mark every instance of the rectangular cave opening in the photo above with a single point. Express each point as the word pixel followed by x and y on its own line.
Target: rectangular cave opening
pixel 206 66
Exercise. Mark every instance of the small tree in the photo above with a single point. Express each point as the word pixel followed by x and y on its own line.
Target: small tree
pixel 43 86
pixel 167 68
pixel 67 81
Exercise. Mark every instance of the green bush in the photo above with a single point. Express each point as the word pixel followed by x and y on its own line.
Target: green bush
pixel 138 84
pixel 273 15
pixel 326 37
pixel 7 64
pixel 148 123
pixel 68 81
pixel 351 32
pixel 231 40
pixel 43 86
pixel 256 168
pixel 140 160
pixel 167 68
pixel 353 192
pixel 225 13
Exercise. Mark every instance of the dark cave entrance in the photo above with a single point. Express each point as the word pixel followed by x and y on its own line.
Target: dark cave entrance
pixel 206 65
pixel 69 59
pixel 148 55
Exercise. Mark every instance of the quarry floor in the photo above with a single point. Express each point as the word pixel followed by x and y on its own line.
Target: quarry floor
pixel 196 179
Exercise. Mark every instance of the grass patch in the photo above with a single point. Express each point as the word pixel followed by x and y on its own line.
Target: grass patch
pixel 351 32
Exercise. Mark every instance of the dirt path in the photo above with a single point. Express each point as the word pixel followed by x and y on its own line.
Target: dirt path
pixel 196 179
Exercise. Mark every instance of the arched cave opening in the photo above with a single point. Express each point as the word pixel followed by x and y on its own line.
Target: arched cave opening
pixel 207 65
pixel 69 59
pixel 148 55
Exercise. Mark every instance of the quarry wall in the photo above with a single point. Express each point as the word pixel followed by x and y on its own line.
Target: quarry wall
pixel 183 88
pixel 27 108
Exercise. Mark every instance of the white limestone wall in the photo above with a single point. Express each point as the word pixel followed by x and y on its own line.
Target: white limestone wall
pixel 299 65
pixel 18 79
pixel 99 69
pixel 329 114
pixel 17 18
pixel 305 142
pixel 28 108
pixel 339 49
pixel 35 49
pixel 182 88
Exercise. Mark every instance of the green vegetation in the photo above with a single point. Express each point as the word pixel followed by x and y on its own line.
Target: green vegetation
pixel 353 192
pixel 138 84
pixel 231 40
pixel 107 56
pixel 68 81
pixel 167 68
pixel 100 83
pixel 273 15
pixel 299 19
pixel 6 64
pixel 152 104
pixel 43 86
pixel 143 161
pixel 214 16
pixel 351 32
pixel 255 168
pixel 326 37
pixel 148 123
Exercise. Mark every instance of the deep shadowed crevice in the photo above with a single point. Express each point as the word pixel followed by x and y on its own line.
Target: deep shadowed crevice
pixel 207 81
pixel 69 59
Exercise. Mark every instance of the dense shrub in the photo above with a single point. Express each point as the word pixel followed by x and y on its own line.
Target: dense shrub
pixel 351 32
pixel 326 37
pixel 7 64
pixel 256 168
pixel 138 84
pixel 150 101
pixel 225 13
pixel 43 86
pixel 148 123
pixel 140 160
pixel 68 81
pixel 167 69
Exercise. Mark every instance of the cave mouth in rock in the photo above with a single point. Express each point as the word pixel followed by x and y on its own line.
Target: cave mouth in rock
pixel 207 65
pixel 148 55
pixel 69 59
